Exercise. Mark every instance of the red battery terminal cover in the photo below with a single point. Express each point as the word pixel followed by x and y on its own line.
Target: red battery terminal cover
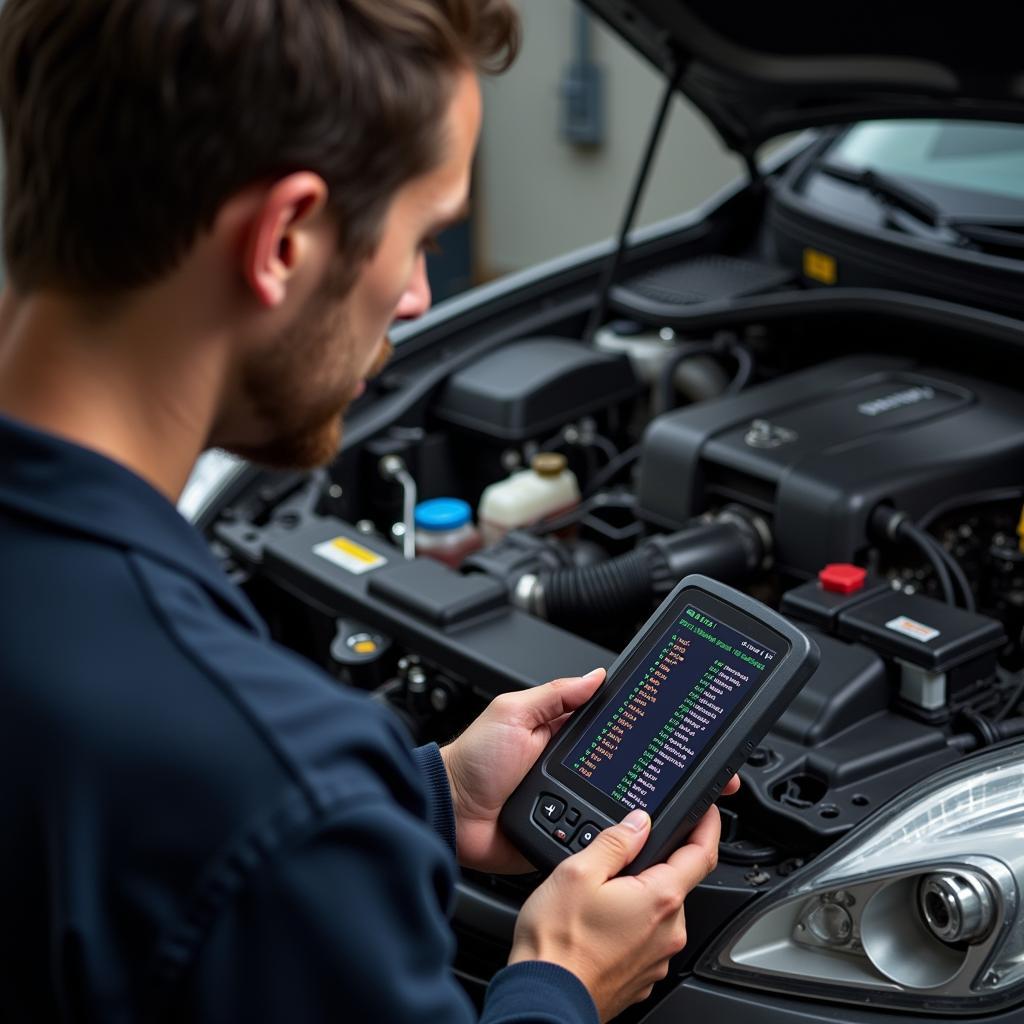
pixel 842 578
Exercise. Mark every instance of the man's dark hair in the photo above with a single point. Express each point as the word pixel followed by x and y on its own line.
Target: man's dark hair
pixel 127 124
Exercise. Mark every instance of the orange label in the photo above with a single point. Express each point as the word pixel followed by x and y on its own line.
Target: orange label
pixel 819 266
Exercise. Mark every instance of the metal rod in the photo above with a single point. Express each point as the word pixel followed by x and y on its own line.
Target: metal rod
pixel 639 187
pixel 392 467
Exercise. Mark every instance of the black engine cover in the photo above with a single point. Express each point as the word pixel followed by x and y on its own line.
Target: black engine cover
pixel 819 449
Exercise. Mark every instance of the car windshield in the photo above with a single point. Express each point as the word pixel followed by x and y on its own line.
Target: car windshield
pixel 973 155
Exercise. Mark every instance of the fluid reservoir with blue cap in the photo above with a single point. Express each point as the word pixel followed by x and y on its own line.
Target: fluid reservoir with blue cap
pixel 445 530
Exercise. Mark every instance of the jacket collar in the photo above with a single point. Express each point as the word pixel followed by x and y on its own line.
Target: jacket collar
pixel 81 491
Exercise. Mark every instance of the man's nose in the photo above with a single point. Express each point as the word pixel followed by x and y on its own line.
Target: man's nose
pixel 416 299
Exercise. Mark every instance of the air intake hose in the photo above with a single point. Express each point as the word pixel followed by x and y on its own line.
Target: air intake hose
pixel 730 548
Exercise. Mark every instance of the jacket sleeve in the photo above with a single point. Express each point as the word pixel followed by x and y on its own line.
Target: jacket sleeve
pixel 537 992
pixel 350 925
pixel 440 812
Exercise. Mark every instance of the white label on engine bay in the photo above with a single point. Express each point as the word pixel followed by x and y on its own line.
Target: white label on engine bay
pixel 349 556
pixel 915 630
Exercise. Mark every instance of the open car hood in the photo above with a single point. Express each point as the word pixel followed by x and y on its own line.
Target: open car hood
pixel 758 70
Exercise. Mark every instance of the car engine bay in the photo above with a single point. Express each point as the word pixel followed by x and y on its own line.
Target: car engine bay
pixel 866 486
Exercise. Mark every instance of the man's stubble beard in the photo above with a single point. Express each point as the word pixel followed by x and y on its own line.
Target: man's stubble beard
pixel 302 387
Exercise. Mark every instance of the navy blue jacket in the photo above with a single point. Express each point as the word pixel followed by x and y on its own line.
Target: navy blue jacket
pixel 198 825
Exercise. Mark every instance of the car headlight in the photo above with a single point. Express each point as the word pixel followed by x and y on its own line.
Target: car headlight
pixel 919 908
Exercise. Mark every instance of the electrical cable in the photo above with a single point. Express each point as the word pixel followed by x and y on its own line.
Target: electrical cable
pixel 960 577
pixel 984 731
pixel 603 444
pixel 588 504
pixel 744 369
pixel 552 443
pixel 621 462
pixel 956 571
pixel 923 542
pixel 1014 699
pixel 586 439
pixel 895 525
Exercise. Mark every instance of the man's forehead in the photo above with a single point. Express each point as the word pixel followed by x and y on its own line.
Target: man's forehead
pixel 461 131
pixel 442 193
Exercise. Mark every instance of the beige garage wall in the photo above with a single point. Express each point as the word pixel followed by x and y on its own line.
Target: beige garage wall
pixel 538 195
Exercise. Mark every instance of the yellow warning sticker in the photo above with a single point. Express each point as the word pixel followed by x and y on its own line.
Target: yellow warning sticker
pixel 819 266
pixel 349 556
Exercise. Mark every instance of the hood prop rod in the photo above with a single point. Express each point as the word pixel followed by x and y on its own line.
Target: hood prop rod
pixel 643 175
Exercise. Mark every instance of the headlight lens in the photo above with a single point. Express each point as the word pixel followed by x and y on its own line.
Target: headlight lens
pixel 919 908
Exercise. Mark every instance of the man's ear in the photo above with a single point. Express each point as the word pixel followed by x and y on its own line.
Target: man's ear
pixel 279 238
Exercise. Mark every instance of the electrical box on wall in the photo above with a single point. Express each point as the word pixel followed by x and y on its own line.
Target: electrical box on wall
pixel 583 101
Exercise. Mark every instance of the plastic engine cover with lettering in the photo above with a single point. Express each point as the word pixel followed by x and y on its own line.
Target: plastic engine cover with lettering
pixel 818 450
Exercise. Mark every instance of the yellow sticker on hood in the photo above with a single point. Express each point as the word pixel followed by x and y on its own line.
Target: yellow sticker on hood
pixel 819 266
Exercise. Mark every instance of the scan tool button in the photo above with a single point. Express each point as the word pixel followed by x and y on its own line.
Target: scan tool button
pixel 586 835
pixel 549 809
pixel 572 817
pixel 561 835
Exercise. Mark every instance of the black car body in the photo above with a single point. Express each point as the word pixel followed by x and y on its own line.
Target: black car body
pixel 837 382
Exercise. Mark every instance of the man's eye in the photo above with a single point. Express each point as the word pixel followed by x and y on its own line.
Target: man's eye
pixel 431 245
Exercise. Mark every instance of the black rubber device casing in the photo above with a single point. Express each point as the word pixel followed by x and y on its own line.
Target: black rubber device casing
pixel 748 724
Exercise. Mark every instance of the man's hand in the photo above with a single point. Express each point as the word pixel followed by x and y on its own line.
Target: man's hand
pixel 491 758
pixel 616 934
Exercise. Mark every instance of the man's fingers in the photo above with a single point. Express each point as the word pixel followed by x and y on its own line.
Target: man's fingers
pixel 699 857
pixel 552 700
pixel 731 786
pixel 574 691
pixel 708 833
pixel 613 848
pixel 557 724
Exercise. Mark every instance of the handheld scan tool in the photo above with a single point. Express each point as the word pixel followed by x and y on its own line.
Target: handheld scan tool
pixel 681 709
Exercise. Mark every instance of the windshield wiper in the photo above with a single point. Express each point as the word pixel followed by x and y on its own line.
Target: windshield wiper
pixel 997 236
pixel 1000 236
pixel 890 191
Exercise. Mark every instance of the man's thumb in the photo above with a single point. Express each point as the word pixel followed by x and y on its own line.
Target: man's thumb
pixel 615 847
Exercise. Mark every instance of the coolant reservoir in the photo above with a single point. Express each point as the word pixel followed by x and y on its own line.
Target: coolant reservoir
pixel 547 488
pixel 445 530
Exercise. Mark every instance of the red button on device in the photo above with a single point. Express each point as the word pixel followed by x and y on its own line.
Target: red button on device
pixel 841 578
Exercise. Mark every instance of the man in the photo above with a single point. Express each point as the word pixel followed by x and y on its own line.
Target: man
pixel 213 210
